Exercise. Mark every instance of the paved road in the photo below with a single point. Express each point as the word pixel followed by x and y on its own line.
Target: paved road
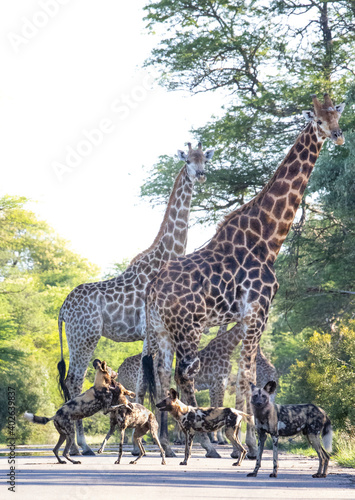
pixel 40 477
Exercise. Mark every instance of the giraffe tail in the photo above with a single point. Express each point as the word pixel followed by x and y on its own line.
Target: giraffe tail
pixel 147 360
pixel 61 365
pixel 148 373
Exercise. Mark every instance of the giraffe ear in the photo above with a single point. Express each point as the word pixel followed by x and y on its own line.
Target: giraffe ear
pixel 209 154
pixel 309 115
pixel 340 107
pixel 181 155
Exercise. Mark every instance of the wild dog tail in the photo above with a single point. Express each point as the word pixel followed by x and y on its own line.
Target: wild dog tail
pixel 327 435
pixel 61 365
pixel 36 420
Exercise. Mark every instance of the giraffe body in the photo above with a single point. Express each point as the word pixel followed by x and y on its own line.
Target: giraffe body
pixel 115 308
pixel 232 278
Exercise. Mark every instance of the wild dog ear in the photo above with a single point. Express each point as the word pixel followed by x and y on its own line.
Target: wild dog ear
pixel 173 394
pixel 96 363
pixel 270 387
pixel 104 366
pixel 130 394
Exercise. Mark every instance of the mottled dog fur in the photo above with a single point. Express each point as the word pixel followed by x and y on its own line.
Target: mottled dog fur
pixel 98 397
pixel 289 420
pixel 192 419
pixel 126 415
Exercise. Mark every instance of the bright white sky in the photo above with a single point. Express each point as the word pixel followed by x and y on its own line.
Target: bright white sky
pixel 71 75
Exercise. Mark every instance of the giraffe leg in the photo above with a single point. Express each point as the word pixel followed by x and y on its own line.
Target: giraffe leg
pixel 141 385
pixel 250 438
pixel 81 352
pixel 163 362
pixel 141 389
pixel 216 390
pixel 246 373
pixel 189 366
pixel 254 320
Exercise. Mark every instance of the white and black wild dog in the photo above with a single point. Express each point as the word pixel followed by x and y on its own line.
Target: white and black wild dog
pixel 193 419
pixel 98 397
pixel 126 415
pixel 289 420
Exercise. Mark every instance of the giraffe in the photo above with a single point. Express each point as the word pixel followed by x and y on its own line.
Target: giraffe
pixel 231 278
pixel 115 308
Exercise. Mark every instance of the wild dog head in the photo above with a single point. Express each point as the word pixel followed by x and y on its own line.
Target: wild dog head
pixel 120 393
pixel 171 403
pixel 104 374
pixel 260 398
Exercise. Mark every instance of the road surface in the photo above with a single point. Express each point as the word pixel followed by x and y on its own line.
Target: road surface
pixel 40 477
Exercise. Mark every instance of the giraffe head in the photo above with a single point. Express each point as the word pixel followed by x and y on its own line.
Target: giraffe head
pixel 326 117
pixel 196 160
pixel 186 370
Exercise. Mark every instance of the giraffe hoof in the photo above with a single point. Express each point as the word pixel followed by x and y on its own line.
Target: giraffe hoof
pixel 169 453
pixel 88 453
pixel 212 453
pixel 135 452
pixel 74 451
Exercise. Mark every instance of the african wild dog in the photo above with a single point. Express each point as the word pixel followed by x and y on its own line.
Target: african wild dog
pixel 192 419
pixel 126 415
pixel 98 397
pixel 289 420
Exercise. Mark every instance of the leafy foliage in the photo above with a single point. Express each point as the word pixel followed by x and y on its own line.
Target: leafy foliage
pixel 325 375
pixel 37 271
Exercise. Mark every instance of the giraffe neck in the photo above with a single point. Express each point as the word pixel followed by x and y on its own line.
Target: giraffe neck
pixel 227 341
pixel 266 220
pixel 171 239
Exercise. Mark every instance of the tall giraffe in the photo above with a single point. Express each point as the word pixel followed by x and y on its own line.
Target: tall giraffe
pixel 232 278
pixel 115 308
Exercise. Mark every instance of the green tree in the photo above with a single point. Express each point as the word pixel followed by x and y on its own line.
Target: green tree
pixel 326 376
pixel 37 271
pixel 265 58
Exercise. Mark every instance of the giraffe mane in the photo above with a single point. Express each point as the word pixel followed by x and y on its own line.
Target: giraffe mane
pixel 163 224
